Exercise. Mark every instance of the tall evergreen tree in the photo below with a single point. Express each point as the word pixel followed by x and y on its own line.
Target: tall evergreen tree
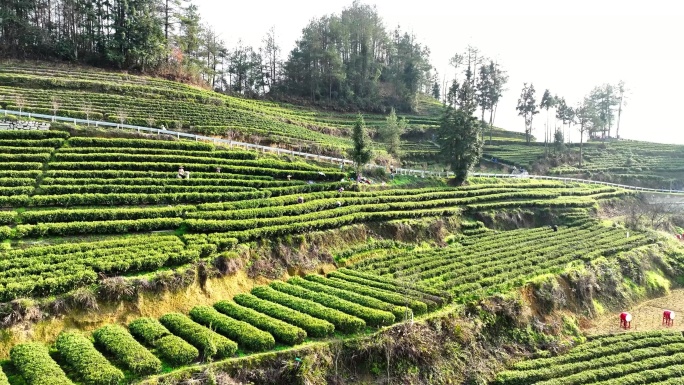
pixel 361 152
pixel 460 143
pixel 527 108
pixel 390 133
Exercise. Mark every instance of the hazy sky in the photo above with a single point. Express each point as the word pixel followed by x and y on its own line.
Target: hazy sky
pixel 567 47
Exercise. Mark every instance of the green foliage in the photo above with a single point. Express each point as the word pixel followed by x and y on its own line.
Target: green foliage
pixel 282 331
pixel 210 343
pixel 342 321
pixel 171 348
pixel 361 153
pixel 36 366
pixel 633 358
pixel 460 143
pixel 372 317
pixel 116 340
pixel 314 327
pixel 527 108
pixel 390 133
pixel 245 334
pixel 90 366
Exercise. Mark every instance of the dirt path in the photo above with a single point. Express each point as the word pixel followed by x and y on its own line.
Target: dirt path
pixel 646 316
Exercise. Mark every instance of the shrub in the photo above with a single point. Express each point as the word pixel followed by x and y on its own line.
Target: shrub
pixel 342 321
pixel 245 334
pixel 373 317
pixel 209 342
pixel 89 364
pixel 314 327
pixel 117 341
pixel 282 331
pixel 36 366
pixel 171 348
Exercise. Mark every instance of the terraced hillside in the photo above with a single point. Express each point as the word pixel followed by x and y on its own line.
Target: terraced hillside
pixel 489 262
pixel 630 162
pixel 94 94
pixel 102 219
pixel 630 358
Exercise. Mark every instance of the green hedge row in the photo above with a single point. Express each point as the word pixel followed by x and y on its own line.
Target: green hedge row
pixel 141 143
pixel 13 191
pixel 210 343
pixel 118 342
pixel 104 227
pixel 314 284
pixel 342 321
pixel 91 367
pixel 16 182
pixel 372 317
pixel 168 180
pixel 314 327
pixel 19 166
pixel 9 158
pixel 43 143
pixel 83 215
pixel 25 150
pixel 139 199
pixel 398 299
pixel 173 349
pixel 32 134
pixel 282 331
pixel 108 156
pixel 433 302
pixel 422 288
pixel 23 174
pixel 128 175
pixel 133 189
pixel 7 217
pixel 35 365
pixel 246 335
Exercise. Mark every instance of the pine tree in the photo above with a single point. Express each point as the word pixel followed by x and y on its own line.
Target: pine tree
pixel 361 153
pixel 460 143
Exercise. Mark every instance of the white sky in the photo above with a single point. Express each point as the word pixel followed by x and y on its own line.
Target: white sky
pixel 568 47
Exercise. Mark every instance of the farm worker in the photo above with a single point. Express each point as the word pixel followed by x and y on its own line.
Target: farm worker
pixel 555 228
pixel 340 190
pixel 300 200
pixel 289 177
pixel 339 204
pixel 163 128
pixel 218 170
pixel 181 172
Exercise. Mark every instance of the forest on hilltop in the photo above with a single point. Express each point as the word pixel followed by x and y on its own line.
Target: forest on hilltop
pixel 348 60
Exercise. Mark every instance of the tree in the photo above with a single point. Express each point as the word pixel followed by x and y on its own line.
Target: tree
pixel 586 119
pixel 622 97
pixel 121 114
pixel 361 152
pixel 499 80
pixel 527 108
pixel 459 140
pixel 390 133
pixel 87 110
pixel 558 141
pixel 436 92
pixel 20 101
pixel 272 58
pixel 547 102
pixel 55 106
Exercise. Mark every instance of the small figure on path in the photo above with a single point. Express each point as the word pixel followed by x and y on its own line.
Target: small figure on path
pixel 218 170
pixel 181 173
pixel 300 200
pixel 289 177
pixel 555 228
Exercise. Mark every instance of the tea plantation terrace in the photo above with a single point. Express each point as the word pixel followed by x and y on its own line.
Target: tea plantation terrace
pixel 653 357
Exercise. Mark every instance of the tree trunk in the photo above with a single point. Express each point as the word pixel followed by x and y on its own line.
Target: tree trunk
pixel 581 145
pixel 491 125
pixel 617 129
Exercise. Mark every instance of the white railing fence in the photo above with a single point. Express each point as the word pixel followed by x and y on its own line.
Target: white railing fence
pixel 339 161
